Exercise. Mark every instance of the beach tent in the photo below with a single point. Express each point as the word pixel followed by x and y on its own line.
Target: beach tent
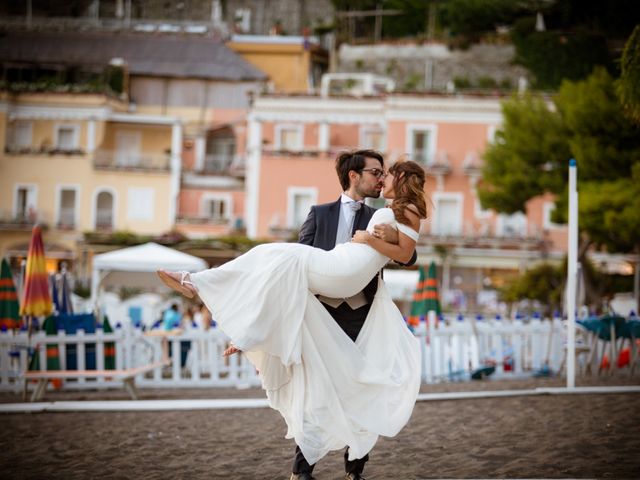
pixel 136 267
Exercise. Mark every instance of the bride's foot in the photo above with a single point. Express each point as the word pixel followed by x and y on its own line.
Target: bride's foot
pixel 178 281
pixel 231 350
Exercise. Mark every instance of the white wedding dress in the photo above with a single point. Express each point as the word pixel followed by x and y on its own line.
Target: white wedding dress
pixel 331 391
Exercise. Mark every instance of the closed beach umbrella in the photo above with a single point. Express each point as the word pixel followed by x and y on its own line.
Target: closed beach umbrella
pixel 36 300
pixel 9 308
pixel 109 347
pixel 430 293
pixel 418 305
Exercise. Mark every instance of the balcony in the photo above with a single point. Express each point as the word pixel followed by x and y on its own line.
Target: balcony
pixel 67 219
pixel 132 162
pixel 478 240
pixel 223 165
pixel 437 164
pixel 31 150
pixel 22 221
pixel 192 219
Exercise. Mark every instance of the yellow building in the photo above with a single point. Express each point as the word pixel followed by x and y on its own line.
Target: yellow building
pixel 80 163
pixel 294 64
pixel 163 153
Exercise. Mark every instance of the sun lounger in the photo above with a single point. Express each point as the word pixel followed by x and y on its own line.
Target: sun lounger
pixel 127 376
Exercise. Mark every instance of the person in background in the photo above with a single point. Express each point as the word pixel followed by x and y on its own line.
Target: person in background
pixel 171 318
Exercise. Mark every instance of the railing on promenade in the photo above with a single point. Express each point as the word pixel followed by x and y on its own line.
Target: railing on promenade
pixel 450 351
pixel 197 358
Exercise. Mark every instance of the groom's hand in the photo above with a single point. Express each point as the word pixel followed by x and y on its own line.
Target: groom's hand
pixel 386 232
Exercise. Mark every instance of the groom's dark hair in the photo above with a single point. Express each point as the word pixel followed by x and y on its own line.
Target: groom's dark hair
pixel 354 160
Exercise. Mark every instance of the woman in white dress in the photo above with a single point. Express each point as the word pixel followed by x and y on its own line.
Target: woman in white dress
pixel 331 391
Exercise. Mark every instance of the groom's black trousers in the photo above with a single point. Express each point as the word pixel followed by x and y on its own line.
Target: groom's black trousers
pixel 351 321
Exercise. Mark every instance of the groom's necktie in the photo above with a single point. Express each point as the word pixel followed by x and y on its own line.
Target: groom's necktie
pixel 345 225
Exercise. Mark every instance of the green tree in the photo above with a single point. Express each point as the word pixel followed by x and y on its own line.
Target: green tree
pixel 584 121
pixel 544 283
pixel 628 85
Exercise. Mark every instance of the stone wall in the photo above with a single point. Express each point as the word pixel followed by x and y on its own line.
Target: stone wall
pixel 430 67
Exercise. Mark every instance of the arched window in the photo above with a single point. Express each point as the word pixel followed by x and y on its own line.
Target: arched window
pixel 104 210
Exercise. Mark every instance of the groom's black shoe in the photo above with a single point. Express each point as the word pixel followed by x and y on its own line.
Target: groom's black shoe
pixel 302 476
pixel 353 476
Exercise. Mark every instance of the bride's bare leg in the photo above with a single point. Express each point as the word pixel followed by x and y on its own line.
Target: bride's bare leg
pixel 178 281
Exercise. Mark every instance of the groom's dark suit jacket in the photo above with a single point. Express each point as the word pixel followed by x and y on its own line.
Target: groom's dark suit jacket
pixel 320 229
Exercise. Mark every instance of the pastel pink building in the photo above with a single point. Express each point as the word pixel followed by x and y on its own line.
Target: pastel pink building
pixel 292 143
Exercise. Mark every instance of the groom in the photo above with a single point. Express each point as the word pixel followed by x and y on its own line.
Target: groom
pixel 361 174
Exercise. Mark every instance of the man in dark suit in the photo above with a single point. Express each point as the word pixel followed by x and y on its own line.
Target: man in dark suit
pixel 361 174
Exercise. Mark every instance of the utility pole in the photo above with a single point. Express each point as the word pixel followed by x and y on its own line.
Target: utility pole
pixel 378 13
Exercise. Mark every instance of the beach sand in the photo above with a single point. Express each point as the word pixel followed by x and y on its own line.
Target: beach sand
pixel 570 436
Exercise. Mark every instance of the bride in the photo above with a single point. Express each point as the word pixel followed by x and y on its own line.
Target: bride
pixel 331 391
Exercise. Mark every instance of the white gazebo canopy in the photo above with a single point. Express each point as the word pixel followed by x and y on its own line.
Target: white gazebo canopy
pixel 136 266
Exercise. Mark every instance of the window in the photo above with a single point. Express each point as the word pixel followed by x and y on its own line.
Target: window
pixel 104 217
pixel 242 20
pixel 67 137
pixel 373 138
pixel 300 201
pixel 217 208
pixel 220 152
pixel 21 135
pixel 421 143
pixel 67 207
pixel 140 204
pixel 127 149
pixel 25 202
pixel 514 225
pixel 447 214
pixel 289 137
pixel 547 223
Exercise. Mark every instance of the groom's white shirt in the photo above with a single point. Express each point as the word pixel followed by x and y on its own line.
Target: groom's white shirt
pixel 347 216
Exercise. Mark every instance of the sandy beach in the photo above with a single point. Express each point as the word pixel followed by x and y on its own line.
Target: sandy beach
pixel 569 436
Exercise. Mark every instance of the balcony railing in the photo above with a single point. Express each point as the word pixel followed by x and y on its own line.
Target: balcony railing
pixel 67 219
pixel 104 219
pixel 222 164
pixel 114 160
pixel 217 163
pixel 437 164
pixel 192 219
pixel 31 150
pixel 476 240
pixel 21 220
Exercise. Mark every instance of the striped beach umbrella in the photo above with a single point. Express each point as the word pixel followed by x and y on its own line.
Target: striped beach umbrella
pixel 109 347
pixel 36 300
pixel 418 305
pixel 9 308
pixel 430 293
pixel 53 356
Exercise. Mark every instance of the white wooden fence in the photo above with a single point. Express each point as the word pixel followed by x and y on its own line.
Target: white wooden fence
pixel 450 351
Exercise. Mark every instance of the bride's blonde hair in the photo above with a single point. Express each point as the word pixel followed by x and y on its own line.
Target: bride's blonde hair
pixel 408 186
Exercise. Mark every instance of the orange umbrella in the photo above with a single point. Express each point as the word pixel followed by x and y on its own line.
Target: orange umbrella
pixel 36 300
